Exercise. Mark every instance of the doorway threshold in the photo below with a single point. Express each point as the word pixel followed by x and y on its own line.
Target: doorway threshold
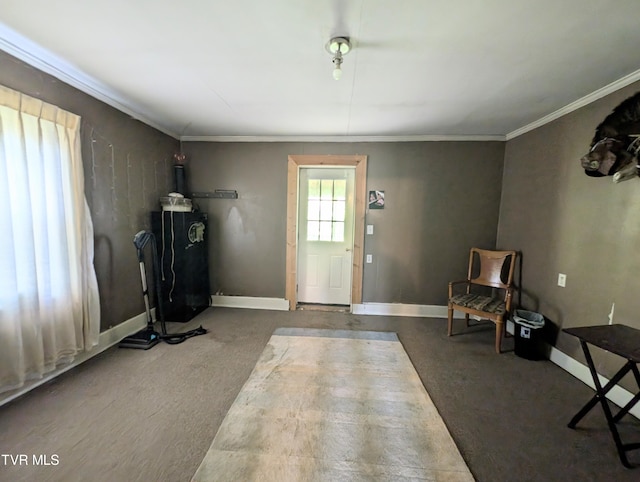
pixel 319 307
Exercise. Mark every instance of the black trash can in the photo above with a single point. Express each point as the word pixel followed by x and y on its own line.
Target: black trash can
pixel 528 334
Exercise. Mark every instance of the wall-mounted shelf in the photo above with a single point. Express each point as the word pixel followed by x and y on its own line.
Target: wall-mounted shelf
pixel 217 194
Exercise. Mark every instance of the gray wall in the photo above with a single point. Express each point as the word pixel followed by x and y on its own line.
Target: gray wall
pixel 566 222
pixel 441 199
pixel 127 168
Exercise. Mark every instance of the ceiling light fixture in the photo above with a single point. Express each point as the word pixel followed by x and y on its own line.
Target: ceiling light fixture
pixel 338 46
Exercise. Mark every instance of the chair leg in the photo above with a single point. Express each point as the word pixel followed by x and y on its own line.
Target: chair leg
pixel 499 328
pixel 466 319
pixel 450 322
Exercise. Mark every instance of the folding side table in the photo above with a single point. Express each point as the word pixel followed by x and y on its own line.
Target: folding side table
pixel 625 342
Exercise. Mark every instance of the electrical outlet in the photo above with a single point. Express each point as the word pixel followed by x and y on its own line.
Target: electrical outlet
pixel 369 228
pixel 562 279
pixel 369 258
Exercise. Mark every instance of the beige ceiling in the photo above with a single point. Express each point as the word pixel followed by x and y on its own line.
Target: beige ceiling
pixel 258 69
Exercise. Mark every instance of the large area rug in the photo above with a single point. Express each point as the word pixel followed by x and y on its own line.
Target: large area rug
pixel 333 405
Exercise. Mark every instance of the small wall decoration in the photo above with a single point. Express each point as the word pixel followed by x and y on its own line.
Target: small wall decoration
pixel 376 199
pixel 616 144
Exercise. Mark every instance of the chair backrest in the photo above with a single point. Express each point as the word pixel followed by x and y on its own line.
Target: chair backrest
pixel 491 265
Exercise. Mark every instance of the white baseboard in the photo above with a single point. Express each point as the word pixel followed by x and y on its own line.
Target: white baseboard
pixel 107 339
pixel 510 327
pixel 401 309
pixel 617 394
pixel 382 309
pixel 251 302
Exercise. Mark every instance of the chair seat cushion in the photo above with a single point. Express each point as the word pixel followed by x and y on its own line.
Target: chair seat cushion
pixel 480 303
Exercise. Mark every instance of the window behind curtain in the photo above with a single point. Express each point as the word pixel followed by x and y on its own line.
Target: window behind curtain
pixel 49 308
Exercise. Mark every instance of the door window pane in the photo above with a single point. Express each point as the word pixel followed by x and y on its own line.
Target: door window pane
pixel 338 210
pixel 327 189
pixel 325 230
pixel 313 210
pixel 326 213
pixel 338 232
pixel 313 230
pixel 340 189
pixel 314 188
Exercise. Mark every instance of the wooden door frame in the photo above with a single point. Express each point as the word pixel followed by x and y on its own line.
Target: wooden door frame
pixel 360 203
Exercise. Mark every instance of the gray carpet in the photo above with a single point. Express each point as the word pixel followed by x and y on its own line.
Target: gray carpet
pixel 131 415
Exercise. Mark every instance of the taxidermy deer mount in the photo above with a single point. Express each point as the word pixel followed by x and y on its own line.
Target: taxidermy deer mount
pixel 616 144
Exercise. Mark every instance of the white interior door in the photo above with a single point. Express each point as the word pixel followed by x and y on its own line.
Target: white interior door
pixel 325 235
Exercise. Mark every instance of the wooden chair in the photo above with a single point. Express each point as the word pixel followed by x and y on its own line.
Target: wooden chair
pixel 487 295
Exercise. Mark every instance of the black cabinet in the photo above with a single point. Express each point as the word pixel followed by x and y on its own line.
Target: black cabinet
pixel 181 239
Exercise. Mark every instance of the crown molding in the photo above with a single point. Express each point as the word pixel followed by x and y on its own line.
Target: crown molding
pixel 586 100
pixel 423 138
pixel 33 54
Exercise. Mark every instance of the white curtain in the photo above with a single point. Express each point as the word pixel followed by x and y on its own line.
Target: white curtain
pixel 49 306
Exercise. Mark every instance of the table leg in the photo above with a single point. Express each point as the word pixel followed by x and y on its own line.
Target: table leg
pixel 594 400
pixel 600 395
pixel 633 401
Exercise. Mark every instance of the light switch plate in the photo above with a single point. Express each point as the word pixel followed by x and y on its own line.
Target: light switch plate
pixel 369 258
pixel 562 279
pixel 369 228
